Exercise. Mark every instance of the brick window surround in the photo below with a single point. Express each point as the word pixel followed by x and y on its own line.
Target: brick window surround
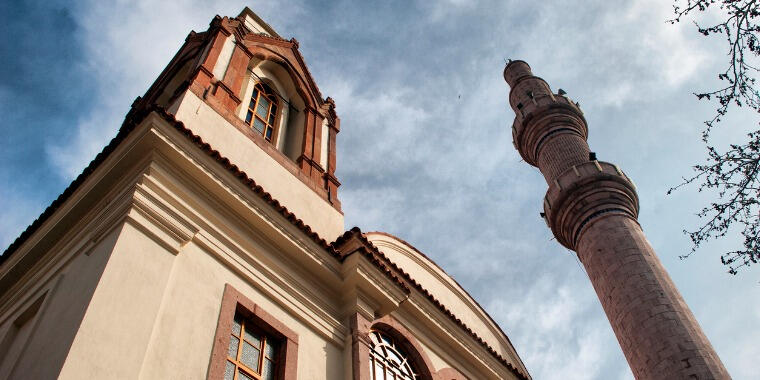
pixel 233 301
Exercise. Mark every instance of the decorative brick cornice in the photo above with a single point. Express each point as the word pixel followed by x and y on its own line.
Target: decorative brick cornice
pixel 292 45
pixel 328 108
pixel 585 192
pixel 244 49
pixel 218 23
pixel 539 113
pixel 231 94
pixel 332 178
pixel 267 39
pixel 302 62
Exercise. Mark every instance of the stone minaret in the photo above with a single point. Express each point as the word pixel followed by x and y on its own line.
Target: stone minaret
pixel 592 207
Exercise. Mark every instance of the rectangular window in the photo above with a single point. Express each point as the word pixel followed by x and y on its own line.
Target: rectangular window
pixel 250 344
pixel 251 353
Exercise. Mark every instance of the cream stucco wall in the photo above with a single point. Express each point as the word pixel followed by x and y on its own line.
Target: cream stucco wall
pixel 144 300
pixel 67 291
pixel 116 330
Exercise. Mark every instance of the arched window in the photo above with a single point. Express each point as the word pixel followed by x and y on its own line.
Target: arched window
pixel 387 360
pixel 262 110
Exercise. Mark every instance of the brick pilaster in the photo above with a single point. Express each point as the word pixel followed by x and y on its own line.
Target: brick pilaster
pixel 205 75
pixel 360 347
pixel 233 78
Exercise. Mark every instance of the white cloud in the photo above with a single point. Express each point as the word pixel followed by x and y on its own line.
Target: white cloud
pixel 557 330
pixel 613 53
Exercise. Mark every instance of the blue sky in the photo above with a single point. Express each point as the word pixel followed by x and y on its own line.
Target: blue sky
pixel 425 149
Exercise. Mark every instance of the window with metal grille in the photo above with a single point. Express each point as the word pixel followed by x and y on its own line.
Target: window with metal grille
pixel 262 110
pixel 387 360
pixel 252 354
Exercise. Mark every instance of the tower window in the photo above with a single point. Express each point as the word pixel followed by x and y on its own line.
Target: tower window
pixel 252 354
pixel 387 361
pixel 262 110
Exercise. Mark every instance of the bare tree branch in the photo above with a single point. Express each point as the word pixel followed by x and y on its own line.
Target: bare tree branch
pixel 733 174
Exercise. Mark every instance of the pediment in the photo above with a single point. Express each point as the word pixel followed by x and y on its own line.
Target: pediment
pixel 286 54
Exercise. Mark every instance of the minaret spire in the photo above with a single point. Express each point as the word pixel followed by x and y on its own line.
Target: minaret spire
pixel 592 208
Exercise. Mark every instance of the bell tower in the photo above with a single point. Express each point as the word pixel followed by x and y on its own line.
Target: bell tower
pixel 247 91
pixel 592 208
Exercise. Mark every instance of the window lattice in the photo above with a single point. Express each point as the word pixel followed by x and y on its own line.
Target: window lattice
pixel 262 110
pixel 387 360
pixel 251 354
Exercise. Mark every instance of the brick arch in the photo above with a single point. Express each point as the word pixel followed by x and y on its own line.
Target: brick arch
pixel 409 343
pixel 265 54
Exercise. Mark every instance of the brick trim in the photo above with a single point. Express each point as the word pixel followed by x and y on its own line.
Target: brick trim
pixel 447 274
pixel 360 346
pixel 234 301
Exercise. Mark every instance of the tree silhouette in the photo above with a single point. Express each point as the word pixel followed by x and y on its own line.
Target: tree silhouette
pixel 732 172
